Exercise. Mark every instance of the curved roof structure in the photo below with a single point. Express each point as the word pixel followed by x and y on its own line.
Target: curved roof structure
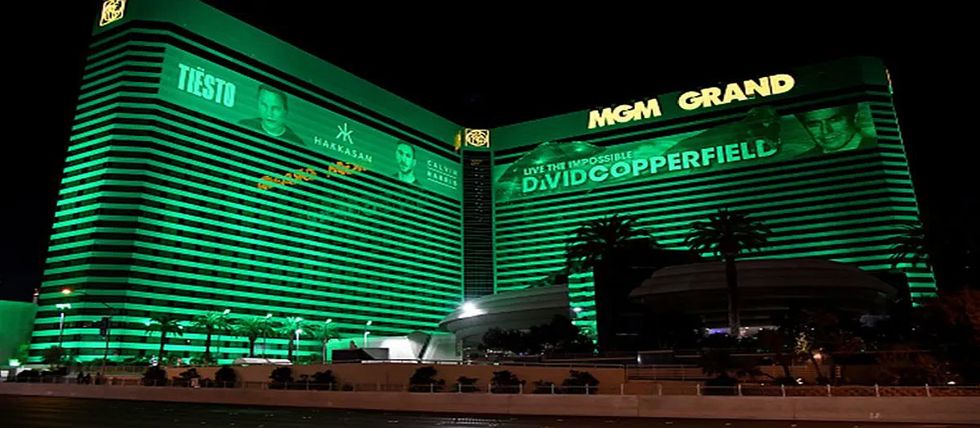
pixel 766 287
pixel 508 310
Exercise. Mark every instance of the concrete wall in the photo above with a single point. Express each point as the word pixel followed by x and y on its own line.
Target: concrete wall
pixel 855 409
pixel 399 374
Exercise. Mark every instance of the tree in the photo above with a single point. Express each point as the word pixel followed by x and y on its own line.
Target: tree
pixel 514 341
pixel 252 329
pixel 290 327
pixel 324 334
pixel 910 246
pixel 54 356
pixel 166 324
pixel 718 361
pixel 595 242
pixel 605 245
pixel 728 233
pixel 211 322
pixel 823 332
pixel 558 336
pixel 22 353
pixel 673 329
pixel 951 328
pixel 782 345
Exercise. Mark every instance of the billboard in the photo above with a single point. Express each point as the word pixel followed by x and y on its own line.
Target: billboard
pixel 213 90
pixel 762 136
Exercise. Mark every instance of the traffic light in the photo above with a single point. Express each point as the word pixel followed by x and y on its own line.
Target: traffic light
pixel 104 326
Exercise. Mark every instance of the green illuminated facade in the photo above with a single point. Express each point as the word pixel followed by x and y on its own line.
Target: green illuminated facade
pixel 212 167
pixel 814 153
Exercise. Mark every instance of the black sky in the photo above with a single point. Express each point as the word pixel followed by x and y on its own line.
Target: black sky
pixel 485 68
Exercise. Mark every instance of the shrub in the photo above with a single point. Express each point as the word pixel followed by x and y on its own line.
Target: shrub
pixel 505 382
pixel 424 380
pixel 466 384
pixel 324 380
pixel 185 377
pixel 579 383
pixel 225 377
pixel 545 387
pixel 155 376
pixel 281 378
pixel 29 376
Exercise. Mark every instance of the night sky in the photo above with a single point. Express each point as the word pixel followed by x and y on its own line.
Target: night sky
pixel 484 68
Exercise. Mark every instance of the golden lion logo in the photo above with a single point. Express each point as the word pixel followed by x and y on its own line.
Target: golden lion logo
pixel 112 10
pixel 478 137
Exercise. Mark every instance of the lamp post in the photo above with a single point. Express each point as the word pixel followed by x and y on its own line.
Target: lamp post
pixel 366 332
pixel 298 332
pixel 323 348
pixel 265 343
pixel 217 359
pixel 61 321
pixel 106 325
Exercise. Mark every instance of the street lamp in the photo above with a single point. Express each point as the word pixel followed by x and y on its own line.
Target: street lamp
pixel 298 332
pixel 217 359
pixel 265 342
pixel 366 332
pixel 61 320
pixel 106 324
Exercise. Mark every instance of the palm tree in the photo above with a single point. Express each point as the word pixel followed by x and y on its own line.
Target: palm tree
pixel 325 334
pixel 602 244
pixel 211 322
pixel 729 234
pixel 165 324
pixel 252 329
pixel 290 327
pixel 598 241
pixel 910 245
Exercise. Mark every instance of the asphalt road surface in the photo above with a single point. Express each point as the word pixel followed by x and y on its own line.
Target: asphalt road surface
pixel 16 411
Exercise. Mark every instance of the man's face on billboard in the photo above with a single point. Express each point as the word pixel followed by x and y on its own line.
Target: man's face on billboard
pixel 406 158
pixel 831 128
pixel 272 110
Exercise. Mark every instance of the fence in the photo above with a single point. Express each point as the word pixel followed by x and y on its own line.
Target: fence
pixel 632 388
pixel 691 372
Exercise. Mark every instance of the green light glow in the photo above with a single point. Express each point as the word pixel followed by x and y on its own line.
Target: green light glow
pixel 159 210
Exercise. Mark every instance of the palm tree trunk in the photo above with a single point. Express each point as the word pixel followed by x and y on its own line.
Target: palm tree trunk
pixel 323 353
pixel 251 346
pixel 816 367
pixel 163 341
pixel 207 344
pixel 289 350
pixel 602 279
pixel 786 372
pixel 731 278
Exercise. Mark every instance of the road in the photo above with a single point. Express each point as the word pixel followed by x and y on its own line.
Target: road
pixel 20 411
